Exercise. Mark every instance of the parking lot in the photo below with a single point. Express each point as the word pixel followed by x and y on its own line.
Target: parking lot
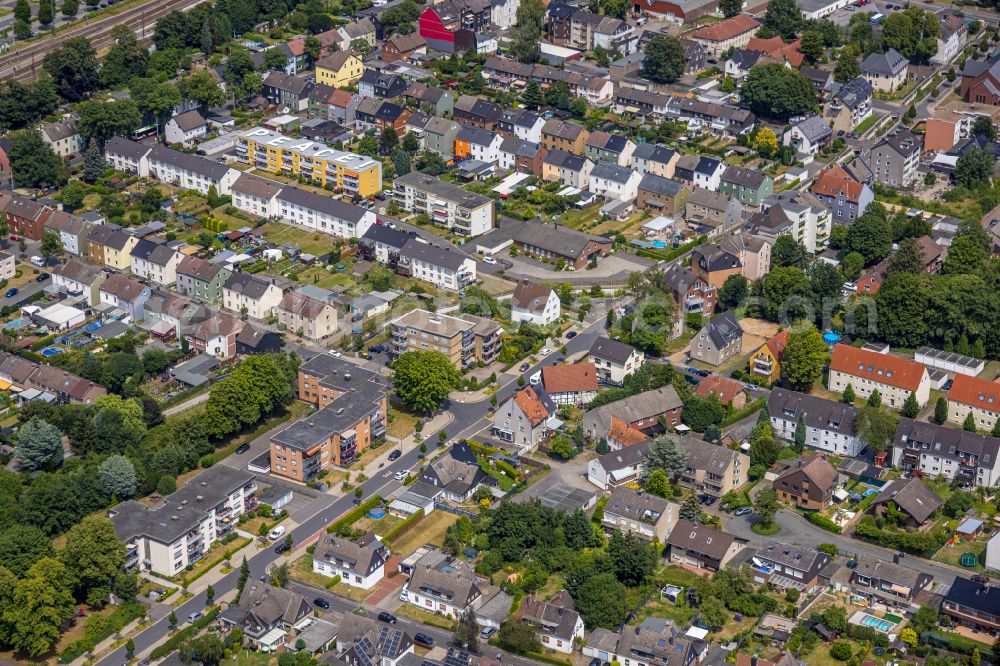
pixel 843 16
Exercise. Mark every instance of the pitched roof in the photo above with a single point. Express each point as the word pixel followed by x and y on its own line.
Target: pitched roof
pixel 727 29
pixel 889 63
pixel 198 268
pixel 974 595
pixel 777 49
pixel 912 496
pixel 835 181
pixel 531 296
pixel 557 617
pixel 432 254
pixel 636 407
pixel 571 378
pixel 815 411
pixel 189 120
pixel 300 304
pixel 531 405
pixel 700 539
pixel 624 434
pixel 855 92
pixel 456 586
pixel 881 368
pixel 659 185
pixel 631 503
pixel 723 329
pixel 362 558
pixel 562 129
pixel 122 287
pixel 336 60
pixel 816 468
pixel 778 343
pixel 257 187
pixel 723 388
pixel 612 350
pixel 78 271
pixel 702 455
pixel 975 392
pixel 748 177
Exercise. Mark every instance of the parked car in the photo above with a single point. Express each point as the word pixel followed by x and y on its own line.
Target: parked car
pixel 277 533
pixel 388 618
pixel 321 603
pixel 42 277
pixel 282 548
pixel 704 373
pixel 394 455
pixel 335 353
pixel 401 475
pixel 37 261
pixel 423 640
pixel 242 448
pixel 693 371
pixel 10 293
pixel 571 335
pixel 545 352
pixel 490 261
pixel 743 511
pixel 487 632
pixel 194 617
pixel 524 367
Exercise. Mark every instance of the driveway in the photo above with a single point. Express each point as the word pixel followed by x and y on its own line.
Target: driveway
pixel 572 473
pixel 613 269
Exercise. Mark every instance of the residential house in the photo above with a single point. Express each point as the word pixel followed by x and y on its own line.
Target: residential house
pixel 466 213
pixel 866 371
pixel 339 69
pixel 894 159
pixel 933 260
pixel 341 106
pixel 570 384
pixel 753 252
pixel 807 219
pixel 215 336
pixel 439 137
pixel 375 83
pixel 447 593
pixel 181 529
pixel 534 303
pixel 458 474
pixel 731 33
pixel 830 426
pixel 973 604
pixel 362 29
pixel 190 172
pixel 251 295
pixel 807 483
pixel 403 47
pixel 305 316
pixel 701 546
pixel 285 90
pixel 128 156
pixel 26 217
pixel 524 418
pixel 885 71
pixel 77 277
pixel 639 513
pixel 365 641
pixel 790 55
pixel 749 186
pixel 728 391
pixel 614 182
pixel 569 169
pixel 718 341
pixel 63 137
pixel 718 212
pixel 643 411
pixel 912 501
pixel 888 583
pixel 691 293
pixel 185 128
pixel 201 278
pixel 156 262
pixel 972 395
pixel 846 198
pixel 713 470
pixel 650 158
pixel 718 119
pixel 614 360
pixel 125 293
pixel 850 106
pixel 72 231
pixel 922 448
pixel 613 148
pixel 478 144
pixel 455 337
pixel 358 563
pixel 265 614
pixel 656 641
pixel 808 136
pixel 522 123
pixel 382 244
pixel 296 57
pixel 110 246
pixel 640 103
pixel 256 196
pixel 439 265
pixel 550 241
pixel 742 61
pixel 953 36
pixel 789 566
pixel 438 101
pixel 699 172
pixel 564 135
pixel 379 114
pixel 662 195
pixel 558 622
pixel 623 464
pixel 477 112
pixel 319 212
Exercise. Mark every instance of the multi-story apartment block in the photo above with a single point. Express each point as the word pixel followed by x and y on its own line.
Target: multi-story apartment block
pixel 201 278
pixel 190 172
pixel 809 221
pixel 830 426
pixel 972 395
pixel 306 316
pixel 939 451
pixel 846 198
pixel 866 371
pixel 807 483
pixel 849 106
pixel 732 33
pixel 713 470
pixel 274 152
pixel 894 159
pixel 256 296
pixel 440 266
pixel 952 39
pixel 322 213
pixel 456 338
pixel 256 196
pixel 643 514
pixel 180 530
pixel 448 205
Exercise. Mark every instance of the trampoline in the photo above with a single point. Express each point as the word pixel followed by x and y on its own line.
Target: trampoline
pixel 969 560
pixel 376 513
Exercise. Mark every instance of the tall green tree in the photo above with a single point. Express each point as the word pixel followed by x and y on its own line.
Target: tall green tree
pixel 870 236
pixel 117 475
pixel 848 67
pixel 730 8
pixel 940 410
pixel 876 427
pixel 402 163
pixel 969 425
pixel 532 96
pixel 93 163
pixel 788 252
pixel 99 121
pixel 663 61
pixel 690 509
pixel 766 505
pixel 51 245
pixel 74 68
pixel 33 162
pixel 784 17
pixel 974 168
pixel 804 357
pixel 913 32
pixel 776 92
pixel 126 59
pixel 423 380
pixel 46 12
pixel 21 546
pixel 69 8
pixel 526 34
pixel 664 453
pixel 94 556
pixel 22 11
pixel 39 445
pixel 40 604
pixel 910 407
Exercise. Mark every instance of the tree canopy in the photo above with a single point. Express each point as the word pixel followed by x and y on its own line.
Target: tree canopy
pixel 423 380
pixel 777 92
pixel 663 61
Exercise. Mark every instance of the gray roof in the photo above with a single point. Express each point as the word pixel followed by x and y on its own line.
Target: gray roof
pixel 109 236
pixel 443 189
pixel 814 128
pixel 458 586
pixel 724 329
pixel 879 569
pixel 902 141
pixel 131 150
pixel 660 185
pixel 78 271
pixel 71 224
pixel 363 559
pixel 476 135
pixel 565 160
pixel 432 254
pixel 199 165
pixel 335 208
pixel 635 407
pixel 652 153
pixel 258 187
pixel 636 504
pixel 912 496
pixel 855 92
pixel 702 455
pixel 198 268
pixel 612 172
pixel 181 511
pixel 947 442
pixel 746 177
pixel 612 350
pixel 340 415
pixel 248 284
pixel 816 412
pixel 559 240
pixel 629 456
pixel 189 120
pixel 889 63
pixel 161 254
pixel 794 556
pixel 61 129
pixel 700 539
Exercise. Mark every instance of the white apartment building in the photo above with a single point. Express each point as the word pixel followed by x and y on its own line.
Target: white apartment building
pixel 972 395
pixel 465 213
pixel 829 425
pixel 323 213
pixel 127 156
pixel 941 451
pixel 866 371
pixel 190 172
pixel 440 266
pixel 256 196
pixel 257 296
pixel 534 303
pixel 182 529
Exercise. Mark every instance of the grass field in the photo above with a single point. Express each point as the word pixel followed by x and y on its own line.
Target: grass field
pixel 431 529
pixel 425 617
pixel 302 571
pixel 952 554
pixel 402 424
pixel 309 242
pixel 380 526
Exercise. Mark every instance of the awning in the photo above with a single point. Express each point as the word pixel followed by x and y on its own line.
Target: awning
pixel 272 639
pixel 899 589
pixel 553 423
pixel 4 385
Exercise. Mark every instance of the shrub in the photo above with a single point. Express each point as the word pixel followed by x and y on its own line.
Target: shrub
pixel 841 651
pixel 332 582
pixel 824 523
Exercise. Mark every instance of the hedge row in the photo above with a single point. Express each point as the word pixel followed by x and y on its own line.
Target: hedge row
pixel 98 628
pixel 332 583
pixel 824 522
pixel 43 342
pixel 174 642
pixel 752 407
pixel 924 544
pixel 405 526
pixel 355 514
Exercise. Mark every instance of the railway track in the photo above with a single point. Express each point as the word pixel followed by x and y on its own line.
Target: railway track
pixel 24 64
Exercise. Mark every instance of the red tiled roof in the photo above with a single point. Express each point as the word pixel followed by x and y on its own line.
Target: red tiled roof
pixel 778 49
pixel 341 98
pixel 625 434
pixel 777 343
pixel 833 181
pixel 731 27
pixel 527 400
pixel 976 392
pixel 577 377
pixel 724 389
pixel 882 368
pixel 297 46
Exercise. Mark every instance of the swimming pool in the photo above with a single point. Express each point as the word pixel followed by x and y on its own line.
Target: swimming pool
pixel 17 324
pixel 658 244
pixel 870 621
pixel 49 352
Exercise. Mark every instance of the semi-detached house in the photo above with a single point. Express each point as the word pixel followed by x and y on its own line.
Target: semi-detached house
pixel 642 514
pixel 939 451
pixel 324 214
pixel 77 277
pixel 614 182
pixel 72 231
pixel 127 294
pixel 244 292
pixel 358 563
pixel 866 371
pixel 256 196
pixel 201 278
pixel 701 546
pixel 154 261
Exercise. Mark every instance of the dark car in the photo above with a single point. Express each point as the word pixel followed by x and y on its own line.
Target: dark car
pixel 388 618
pixel 595 662
pixel 423 640
pixel 11 292
pixel 282 548
pixel 42 277
pixel 322 603
pixel 524 367
pixel 947 385
pixel 704 373
pixel 394 455
pixel 693 371
pixel 242 448
pixel 571 335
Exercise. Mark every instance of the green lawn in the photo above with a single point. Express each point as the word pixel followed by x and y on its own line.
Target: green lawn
pixel 431 529
pixel 309 242
pixel 866 124
pixel 425 617
pixel 302 571
pixel 672 574
pixel 952 554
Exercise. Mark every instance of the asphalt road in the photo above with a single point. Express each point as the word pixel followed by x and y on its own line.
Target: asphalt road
pixel 24 292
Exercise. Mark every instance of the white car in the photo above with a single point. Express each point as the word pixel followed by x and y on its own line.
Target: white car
pixel 535 379
pixel 401 474
pixel 335 353
pixel 276 533
pixel 490 260
pixel 545 352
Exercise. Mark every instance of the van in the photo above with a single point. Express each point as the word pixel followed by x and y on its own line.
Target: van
pixel 277 532
pixel 535 379
pixel 37 261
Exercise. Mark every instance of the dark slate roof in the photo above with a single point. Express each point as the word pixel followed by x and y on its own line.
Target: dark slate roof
pixel 379 233
pixel 746 177
pixel 565 160
pixel 612 172
pixel 700 539
pixel 817 412
pixel 855 92
pixel 432 254
pixel 974 595
pixel 912 496
pixel 724 329
pixel 606 348
pixel 208 168
pixel 133 150
pixel 660 185
pixel 653 153
pixel 707 165
pixel 248 284
pixel 322 203
pixel 889 63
